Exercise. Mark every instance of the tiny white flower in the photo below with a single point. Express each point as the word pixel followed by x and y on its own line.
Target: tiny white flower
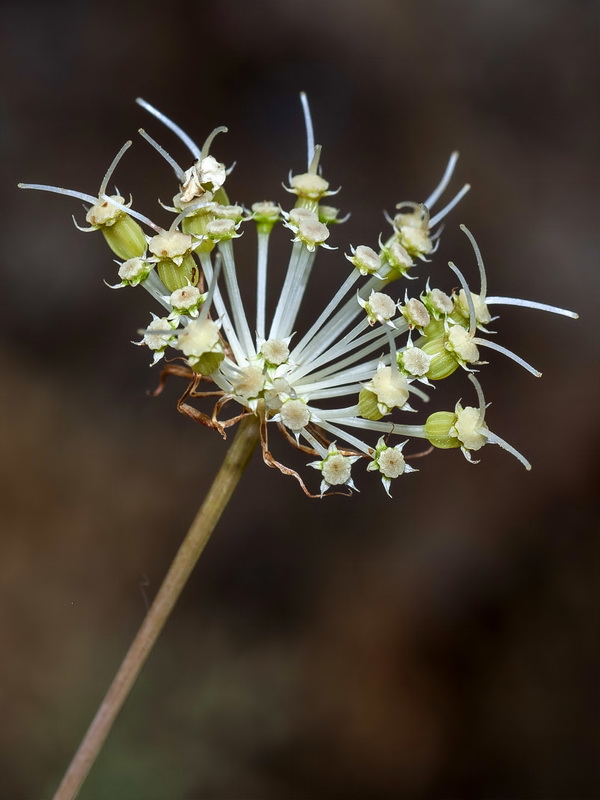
pixel 335 468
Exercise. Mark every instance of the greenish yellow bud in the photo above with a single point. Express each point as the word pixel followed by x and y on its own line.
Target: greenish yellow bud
pixel 208 363
pixel 367 405
pixel 443 362
pixel 195 225
pixel 125 238
pixel 438 427
pixel 435 329
pixel 175 277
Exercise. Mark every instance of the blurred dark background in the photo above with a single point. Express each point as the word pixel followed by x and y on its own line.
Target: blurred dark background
pixel 442 644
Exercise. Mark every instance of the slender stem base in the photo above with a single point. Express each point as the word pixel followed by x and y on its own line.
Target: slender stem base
pixel 192 546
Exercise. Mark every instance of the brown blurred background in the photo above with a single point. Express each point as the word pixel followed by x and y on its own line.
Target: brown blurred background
pixel 439 645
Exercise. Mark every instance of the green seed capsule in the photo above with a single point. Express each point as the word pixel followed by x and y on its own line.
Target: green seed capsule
pixel 125 238
pixel 196 226
pixel 437 430
pixel 208 363
pixel 435 329
pixel 367 405
pixel 443 363
pixel 175 277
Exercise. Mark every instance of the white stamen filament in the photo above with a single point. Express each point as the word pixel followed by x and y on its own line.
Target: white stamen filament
pixel 40 187
pixel 516 301
pixel 468 295
pixel 447 209
pixel 189 143
pixel 494 439
pixel 179 173
pixel 509 353
pixel 210 138
pixel 310 135
pixel 111 169
pixel 480 265
pixel 440 188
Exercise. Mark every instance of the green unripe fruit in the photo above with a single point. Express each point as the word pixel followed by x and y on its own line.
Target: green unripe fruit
pixel 437 430
pixel 125 238
pixel 435 329
pixel 208 363
pixel 367 405
pixel 178 277
pixel 196 226
pixel 443 362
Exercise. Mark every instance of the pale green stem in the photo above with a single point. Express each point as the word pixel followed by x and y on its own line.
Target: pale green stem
pixel 192 546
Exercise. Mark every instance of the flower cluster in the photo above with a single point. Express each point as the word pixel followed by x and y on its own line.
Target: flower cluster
pixel 337 389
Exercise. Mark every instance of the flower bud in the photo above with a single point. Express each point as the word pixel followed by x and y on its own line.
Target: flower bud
pixel 265 215
pixel 125 238
pixel 443 362
pixel 367 405
pixel 176 276
pixel 438 427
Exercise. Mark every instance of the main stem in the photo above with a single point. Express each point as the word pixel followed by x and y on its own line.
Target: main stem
pixel 192 546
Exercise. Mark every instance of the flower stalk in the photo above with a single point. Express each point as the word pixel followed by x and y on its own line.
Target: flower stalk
pixel 208 515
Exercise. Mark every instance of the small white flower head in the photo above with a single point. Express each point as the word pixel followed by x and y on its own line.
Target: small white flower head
pixel 309 186
pixel 390 462
pixel 275 351
pixel 265 214
pixel 201 336
pixel 412 229
pixel 461 306
pixel 294 414
pixel 201 204
pixel 365 259
pixel 104 213
pixel 159 341
pixel 335 469
pixel 186 301
pixel 171 245
pixel 248 383
pixel 415 241
pixel 469 427
pixel 415 314
pixel 417 218
pixel 459 342
pixel 438 303
pixel 397 258
pixel 298 215
pixel 275 393
pixel 219 230
pixel 330 215
pixel 133 271
pixel 414 362
pixel 312 233
pixel 234 212
pixel 207 174
pixel 379 307
pixel 390 388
